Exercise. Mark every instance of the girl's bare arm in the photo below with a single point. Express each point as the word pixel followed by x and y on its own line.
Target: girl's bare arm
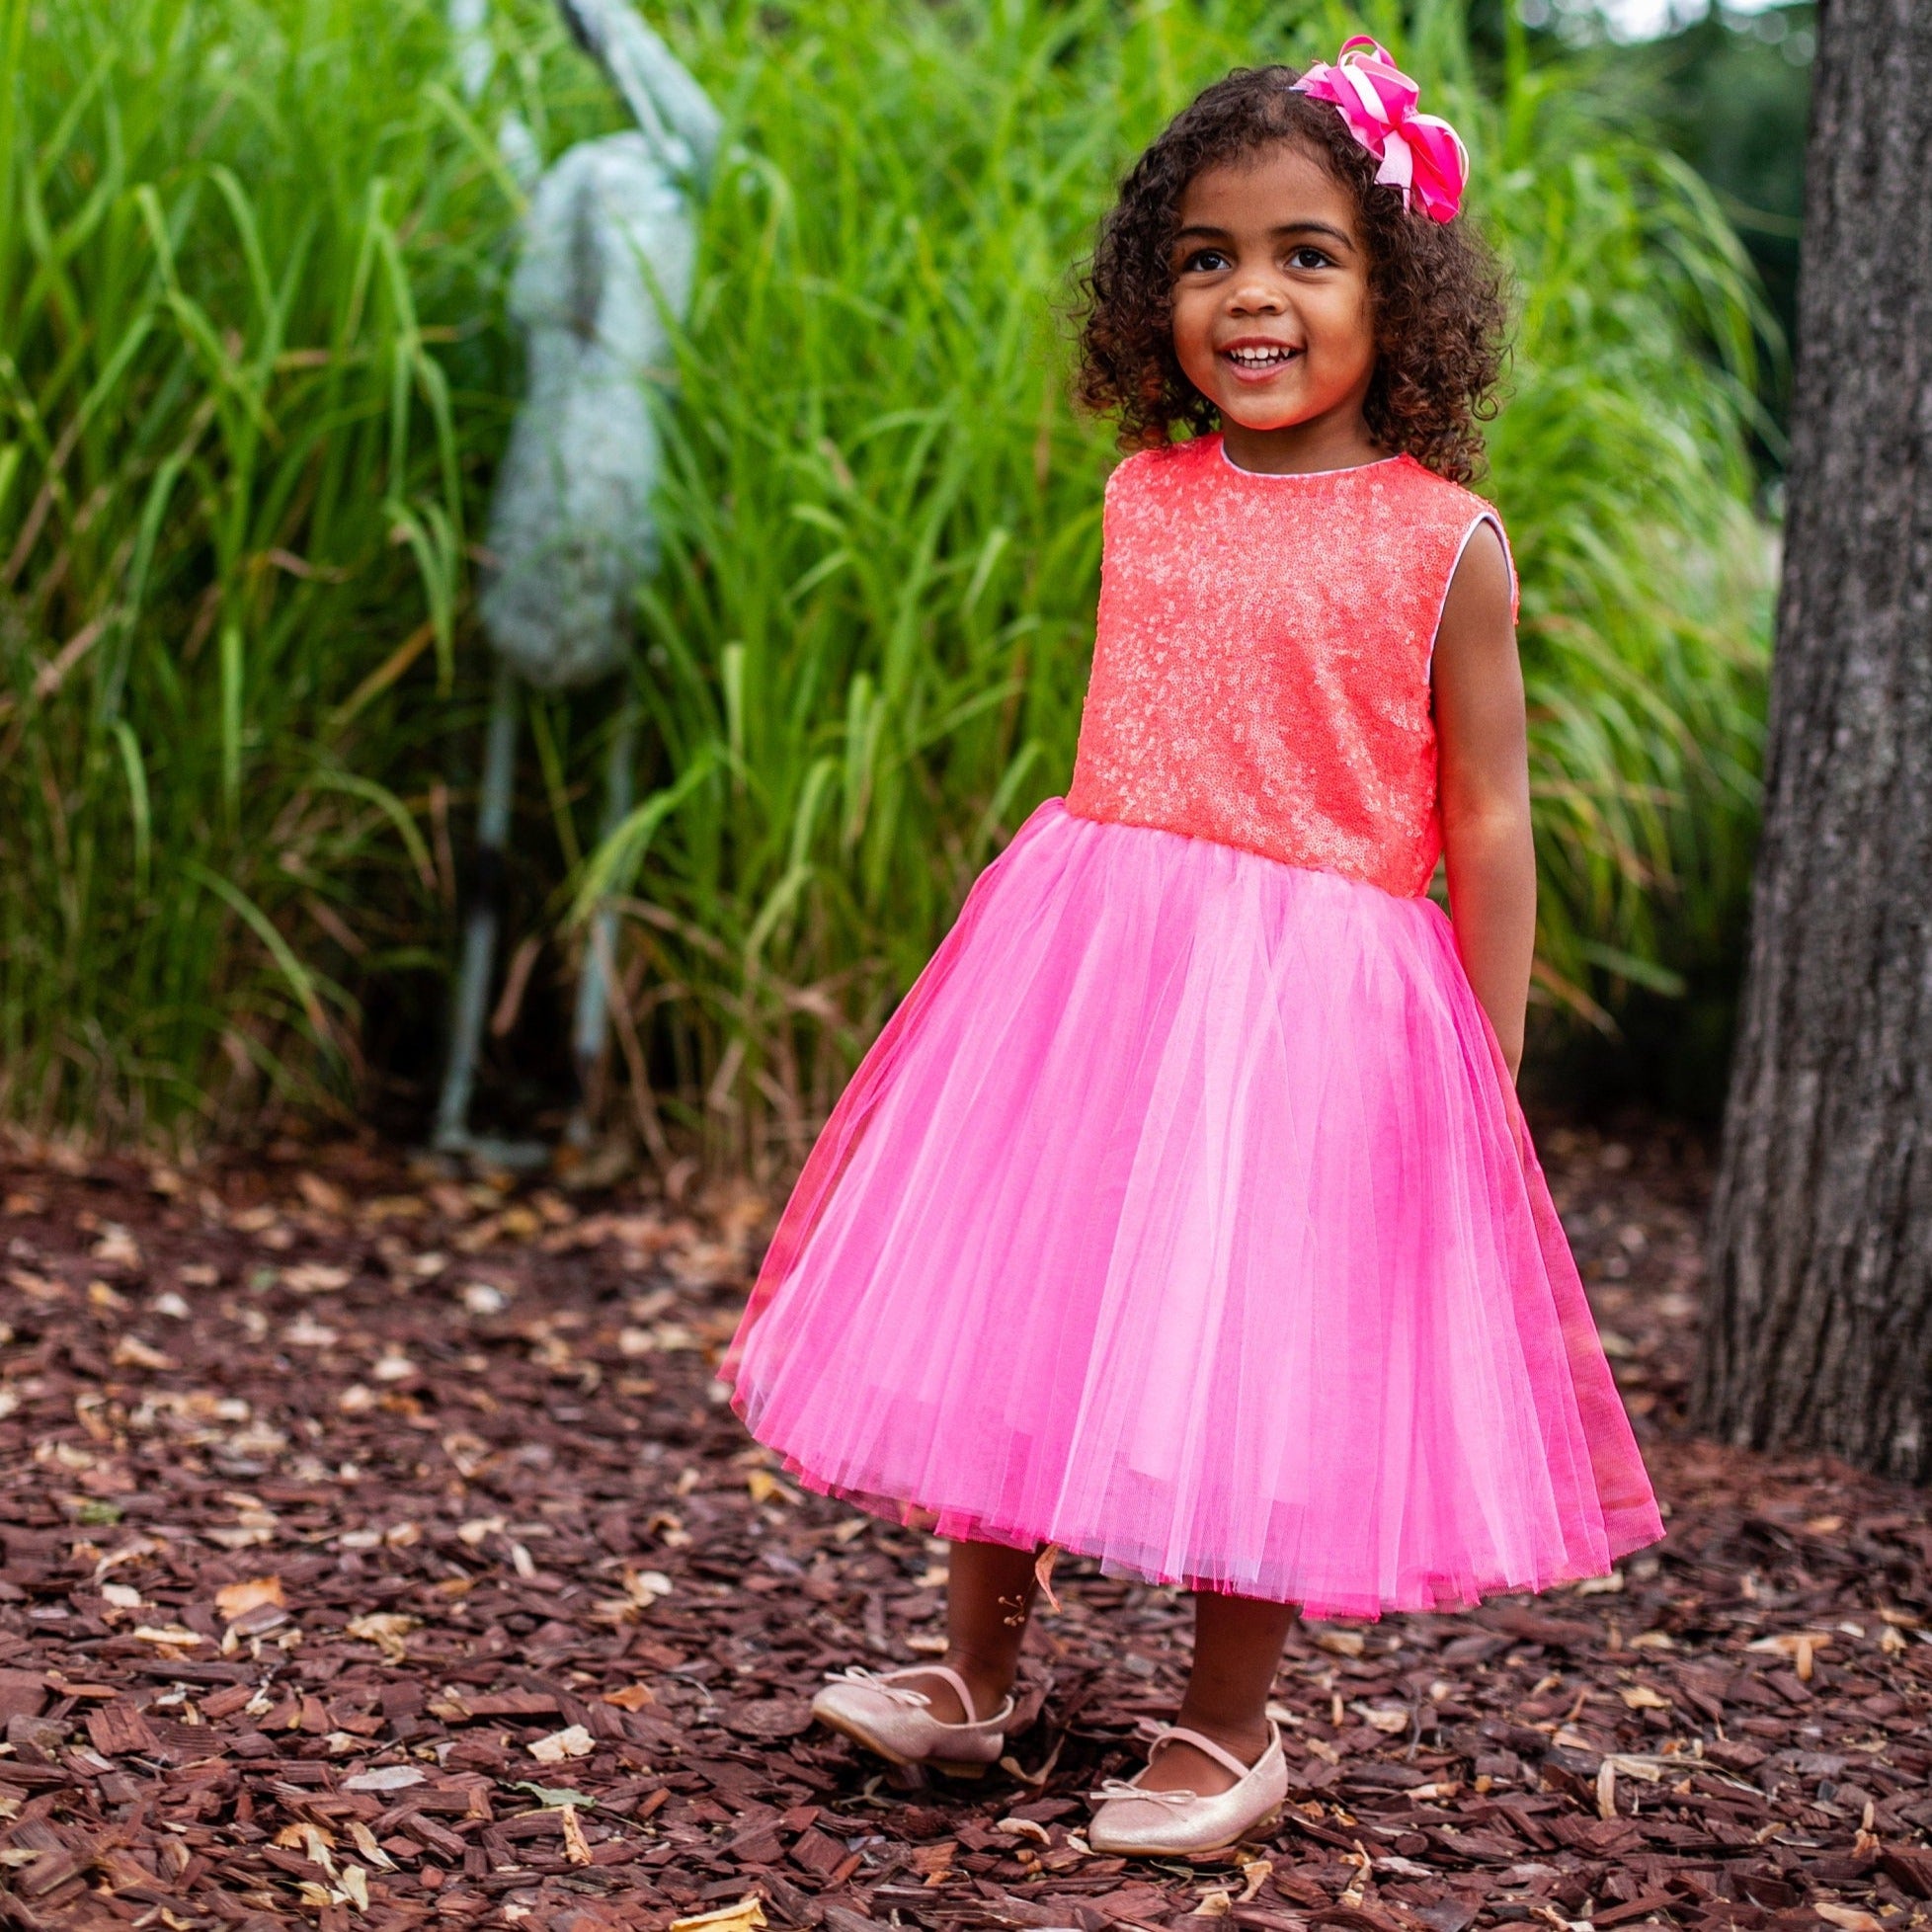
pixel 1483 740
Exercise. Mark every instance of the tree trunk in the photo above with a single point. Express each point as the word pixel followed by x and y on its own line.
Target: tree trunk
pixel 1819 1317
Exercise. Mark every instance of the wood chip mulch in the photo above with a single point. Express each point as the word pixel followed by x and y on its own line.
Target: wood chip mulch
pixel 378 1552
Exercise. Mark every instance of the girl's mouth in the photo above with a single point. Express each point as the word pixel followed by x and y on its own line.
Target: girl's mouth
pixel 1258 360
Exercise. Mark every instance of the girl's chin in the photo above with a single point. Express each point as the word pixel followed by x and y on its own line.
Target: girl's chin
pixel 1250 413
pixel 1279 403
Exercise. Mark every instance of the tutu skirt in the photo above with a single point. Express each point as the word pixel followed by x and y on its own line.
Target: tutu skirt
pixel 1183 1215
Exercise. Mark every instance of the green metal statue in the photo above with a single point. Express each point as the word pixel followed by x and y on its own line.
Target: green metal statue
pixel 605 269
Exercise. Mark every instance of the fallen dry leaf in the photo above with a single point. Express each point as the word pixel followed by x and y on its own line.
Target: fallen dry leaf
pixel 745 1917
pixel 1043 1573
pixel 1850 1917
pixel 236 1600
pixel 366 1844
pixel 386 1777
pixel 130 1351
pixel 1338 1643
pixel 315 1279
pixel 1352 1894
pixel 174 1634
pixel 571 1741
pixel 1389 1719
pixel 386 1630
pixel 1800 1646
pixel 116 1248
pixel 556 1797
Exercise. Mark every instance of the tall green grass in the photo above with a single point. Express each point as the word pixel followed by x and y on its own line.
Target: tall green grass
pixel 248 368
pixel 253 374
pixel 869 644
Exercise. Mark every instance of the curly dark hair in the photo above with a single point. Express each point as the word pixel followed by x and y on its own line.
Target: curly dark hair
pixel 1437 292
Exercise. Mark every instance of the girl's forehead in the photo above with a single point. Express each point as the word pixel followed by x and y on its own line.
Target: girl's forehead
pixel 1268 186
pixel 1270 171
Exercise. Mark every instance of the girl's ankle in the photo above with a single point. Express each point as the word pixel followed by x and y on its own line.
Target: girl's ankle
pixel 989 1686
pixel 1245 1739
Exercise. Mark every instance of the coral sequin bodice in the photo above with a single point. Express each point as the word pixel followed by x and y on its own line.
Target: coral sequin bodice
pixel 1261 663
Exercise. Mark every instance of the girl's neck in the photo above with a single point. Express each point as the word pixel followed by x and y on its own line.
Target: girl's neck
pixel 1334 441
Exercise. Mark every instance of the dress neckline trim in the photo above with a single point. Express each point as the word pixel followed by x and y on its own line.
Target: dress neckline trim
pixel 1301 475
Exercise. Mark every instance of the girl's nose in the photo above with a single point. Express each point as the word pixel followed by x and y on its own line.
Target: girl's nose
pixel 1256 295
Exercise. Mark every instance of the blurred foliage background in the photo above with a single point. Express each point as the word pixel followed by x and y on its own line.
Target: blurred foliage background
pixel 1732 94
pixel 255 373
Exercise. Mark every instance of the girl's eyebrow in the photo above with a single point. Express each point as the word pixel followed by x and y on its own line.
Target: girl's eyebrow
pixel 1209 232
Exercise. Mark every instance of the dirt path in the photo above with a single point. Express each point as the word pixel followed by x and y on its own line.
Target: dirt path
pixel 378 1552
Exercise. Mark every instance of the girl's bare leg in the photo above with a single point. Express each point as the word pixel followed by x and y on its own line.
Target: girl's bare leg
pixel 989 1594
pixel 1238 1644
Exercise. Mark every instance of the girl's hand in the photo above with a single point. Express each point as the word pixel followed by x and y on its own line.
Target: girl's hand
pixel 1483 739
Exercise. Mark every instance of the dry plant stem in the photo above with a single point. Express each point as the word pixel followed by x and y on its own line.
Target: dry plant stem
pixel 988 1595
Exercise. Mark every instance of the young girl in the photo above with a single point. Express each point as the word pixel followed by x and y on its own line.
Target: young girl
pixel 1183 1215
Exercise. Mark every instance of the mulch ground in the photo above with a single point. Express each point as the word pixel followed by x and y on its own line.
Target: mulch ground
pixel 379 1552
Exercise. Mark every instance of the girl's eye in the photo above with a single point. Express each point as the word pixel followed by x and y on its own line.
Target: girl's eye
pixel 1308 256
pixel 1205 261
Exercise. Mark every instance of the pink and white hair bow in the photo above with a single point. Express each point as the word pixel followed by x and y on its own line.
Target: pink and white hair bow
pixel 1419 153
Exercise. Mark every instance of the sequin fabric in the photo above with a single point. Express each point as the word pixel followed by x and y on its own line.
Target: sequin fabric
pixel 1261 660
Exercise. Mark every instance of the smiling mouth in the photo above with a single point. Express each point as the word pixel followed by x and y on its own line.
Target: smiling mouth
pixel 1262 359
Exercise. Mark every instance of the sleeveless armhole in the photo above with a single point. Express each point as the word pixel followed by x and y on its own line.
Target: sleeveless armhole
pixel 1484 515
pixel 1118 476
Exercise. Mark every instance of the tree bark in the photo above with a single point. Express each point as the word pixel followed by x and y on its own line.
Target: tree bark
pixel 1819 1330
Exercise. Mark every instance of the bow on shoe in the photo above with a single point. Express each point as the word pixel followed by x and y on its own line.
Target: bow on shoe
pixel 1421 154
pixel 1120 1788
pixel 872 1680
pixel 1157 1734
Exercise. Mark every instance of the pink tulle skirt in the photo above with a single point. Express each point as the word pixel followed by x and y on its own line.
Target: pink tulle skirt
pixel 1183 1215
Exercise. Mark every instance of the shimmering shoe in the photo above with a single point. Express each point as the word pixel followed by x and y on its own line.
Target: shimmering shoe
pixel 876 1710
pixel 1135 1823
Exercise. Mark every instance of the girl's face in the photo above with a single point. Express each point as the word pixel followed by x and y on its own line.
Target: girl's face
pixel 1272 320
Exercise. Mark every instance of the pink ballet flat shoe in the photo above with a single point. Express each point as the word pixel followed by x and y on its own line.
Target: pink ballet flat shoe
pixel 1135 1823
pixel 896 1722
